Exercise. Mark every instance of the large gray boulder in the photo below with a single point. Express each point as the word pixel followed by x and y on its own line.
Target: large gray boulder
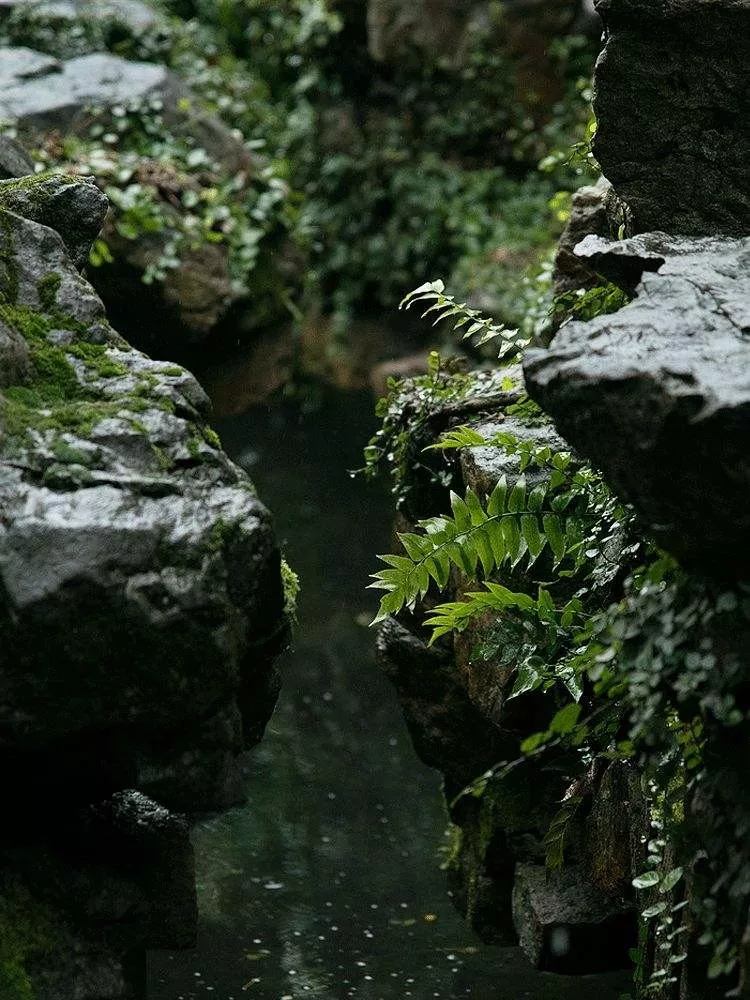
pixel 41 93
pixel 672 106
pixel 141 610
pixel 658 394
pixel 44 95
pixel 130 544
pixel 75 208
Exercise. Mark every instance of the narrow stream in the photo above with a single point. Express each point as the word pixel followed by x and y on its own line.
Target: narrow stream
pixel 326 883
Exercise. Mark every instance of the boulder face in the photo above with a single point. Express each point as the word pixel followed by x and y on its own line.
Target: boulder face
pixel 41 93
pixel 672 106
pixel 121 515
pixel 565 925
pixel 72 207
pixel 141 610
pixel 658 394
pixel 14 161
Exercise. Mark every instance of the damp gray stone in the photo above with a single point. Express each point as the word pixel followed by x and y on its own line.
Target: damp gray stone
pixel 14 160
pixel 76 209
pixel 658 394
pixel 566 925
pixel 672 107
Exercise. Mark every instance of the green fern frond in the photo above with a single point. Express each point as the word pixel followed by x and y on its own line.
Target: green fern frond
pixel 462 437
pixel 514 528
pixel 479 328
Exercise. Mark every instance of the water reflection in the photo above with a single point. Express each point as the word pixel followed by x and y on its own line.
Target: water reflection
pixel 326 884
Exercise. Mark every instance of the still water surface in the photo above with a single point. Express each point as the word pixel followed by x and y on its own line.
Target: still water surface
pixel 326 883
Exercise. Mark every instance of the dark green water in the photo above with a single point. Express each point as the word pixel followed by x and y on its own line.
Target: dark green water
pixel 326 884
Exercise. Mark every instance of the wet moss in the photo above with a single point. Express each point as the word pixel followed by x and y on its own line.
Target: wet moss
pixel 10 281
pixel 97 360
pixel 221 532
pixel 291 588
pixel 67 454
pixel 211 437
pixel 48 287
pixel 34 183
pixel 27 930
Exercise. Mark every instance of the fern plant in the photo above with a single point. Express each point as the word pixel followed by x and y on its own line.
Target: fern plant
pixel 550 523
pixel 474 326
pixel 569 516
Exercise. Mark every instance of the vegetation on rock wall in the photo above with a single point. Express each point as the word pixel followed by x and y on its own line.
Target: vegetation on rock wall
pixel 375 175
pixel 644 659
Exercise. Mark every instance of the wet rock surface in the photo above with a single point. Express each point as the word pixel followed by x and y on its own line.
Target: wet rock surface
pixel 141 611
pixel 134 14
pixel 658 394
pixel 591 214
pixel 672 107
pixel 69 205
pixel 566 925
pixel 14 160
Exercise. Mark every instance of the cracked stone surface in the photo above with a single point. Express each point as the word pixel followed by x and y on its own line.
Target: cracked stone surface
pixel 75 209
pixel 672 106
pixel 658 394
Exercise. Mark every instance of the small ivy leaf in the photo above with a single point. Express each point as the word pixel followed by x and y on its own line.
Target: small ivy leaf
pixel 653 911
pixel 670 880
pixel 529 679
pixel 646 880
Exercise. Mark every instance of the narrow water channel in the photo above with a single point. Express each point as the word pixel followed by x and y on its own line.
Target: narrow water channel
pixel 326 883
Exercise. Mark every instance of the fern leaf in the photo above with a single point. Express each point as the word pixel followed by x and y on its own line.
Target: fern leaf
pixel 555 536
pixel 512 540
pixel 535 541
pixel 497 503
pixel 517 498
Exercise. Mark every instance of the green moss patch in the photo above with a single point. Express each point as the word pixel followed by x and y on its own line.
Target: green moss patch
pixel 27 929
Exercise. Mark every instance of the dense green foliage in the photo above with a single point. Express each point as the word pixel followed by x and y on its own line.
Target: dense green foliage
pixel 368 177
